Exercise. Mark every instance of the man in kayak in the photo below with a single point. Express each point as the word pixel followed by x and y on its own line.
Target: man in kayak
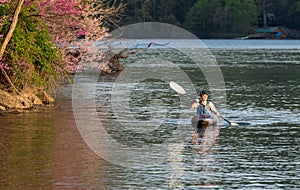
pixel 205 121
pixel 203 106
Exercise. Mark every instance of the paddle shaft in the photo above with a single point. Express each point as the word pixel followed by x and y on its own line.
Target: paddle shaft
pixel 225 119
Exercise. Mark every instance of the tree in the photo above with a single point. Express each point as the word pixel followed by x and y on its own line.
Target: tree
pixel 200 17
pixel 168 11
pixel 180 9
pixel 264 7
pixel 294 15
pixel 289 13
pixel 221 17
pixel 29 57
pixel 36 47
pixel 85 19
pixel 243 15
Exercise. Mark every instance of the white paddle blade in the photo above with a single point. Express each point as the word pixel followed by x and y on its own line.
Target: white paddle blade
pixel 233 124
pixel 177 88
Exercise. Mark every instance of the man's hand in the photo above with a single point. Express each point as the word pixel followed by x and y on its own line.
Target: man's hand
pixel 195 104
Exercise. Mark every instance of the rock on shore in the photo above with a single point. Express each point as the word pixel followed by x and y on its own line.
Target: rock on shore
pixel 26 100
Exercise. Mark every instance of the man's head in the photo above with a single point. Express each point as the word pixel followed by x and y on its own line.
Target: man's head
pixel 203 92
pixel 203 95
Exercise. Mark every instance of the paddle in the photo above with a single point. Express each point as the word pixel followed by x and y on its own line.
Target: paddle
pixel 230 123
pixel 177 88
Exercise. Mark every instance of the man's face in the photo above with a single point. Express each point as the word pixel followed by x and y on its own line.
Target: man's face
pixel 204 97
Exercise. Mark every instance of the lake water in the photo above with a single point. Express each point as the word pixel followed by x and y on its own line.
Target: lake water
pixel 253 81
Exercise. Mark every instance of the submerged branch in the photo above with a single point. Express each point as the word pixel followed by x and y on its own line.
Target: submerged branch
pixel 114 64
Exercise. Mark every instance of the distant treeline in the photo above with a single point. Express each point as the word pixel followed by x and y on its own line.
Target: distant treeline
pixel 216 18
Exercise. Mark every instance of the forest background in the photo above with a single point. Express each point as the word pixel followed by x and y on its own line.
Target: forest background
pixel 217 18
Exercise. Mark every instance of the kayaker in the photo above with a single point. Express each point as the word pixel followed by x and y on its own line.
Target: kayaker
pixel 203 105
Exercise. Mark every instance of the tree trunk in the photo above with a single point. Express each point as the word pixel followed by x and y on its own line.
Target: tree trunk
pixel 12 27
pixel 265 14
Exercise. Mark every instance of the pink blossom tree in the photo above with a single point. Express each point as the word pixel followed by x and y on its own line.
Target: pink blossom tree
pixel 74 25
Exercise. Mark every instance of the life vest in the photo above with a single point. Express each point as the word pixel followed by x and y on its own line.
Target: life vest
pixel 204 109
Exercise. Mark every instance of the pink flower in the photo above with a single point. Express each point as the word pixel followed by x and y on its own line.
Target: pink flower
pixel 27 2
pixel 4 66
pixel 2 20
pixel 23 64
pixel 4 1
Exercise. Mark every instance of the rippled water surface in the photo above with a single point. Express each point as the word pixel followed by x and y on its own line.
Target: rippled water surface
pixel 45 149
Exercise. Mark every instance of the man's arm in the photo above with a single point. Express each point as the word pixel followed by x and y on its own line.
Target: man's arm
pixel 213 108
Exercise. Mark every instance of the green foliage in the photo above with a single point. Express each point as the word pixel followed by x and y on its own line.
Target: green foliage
pixel 291 16
pixel 170 11
pixel 4 10
pixel 200 18
pixel 287 12
pixel 214 18
pixel 243 15
pixel 30 54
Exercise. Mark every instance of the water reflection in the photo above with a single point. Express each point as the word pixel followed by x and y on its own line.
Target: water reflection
pixel 44 150
pixel 25 141
pixel 196 161
pixel 74 165
pixel 204 156
pixel 177 165
pixel 206 136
